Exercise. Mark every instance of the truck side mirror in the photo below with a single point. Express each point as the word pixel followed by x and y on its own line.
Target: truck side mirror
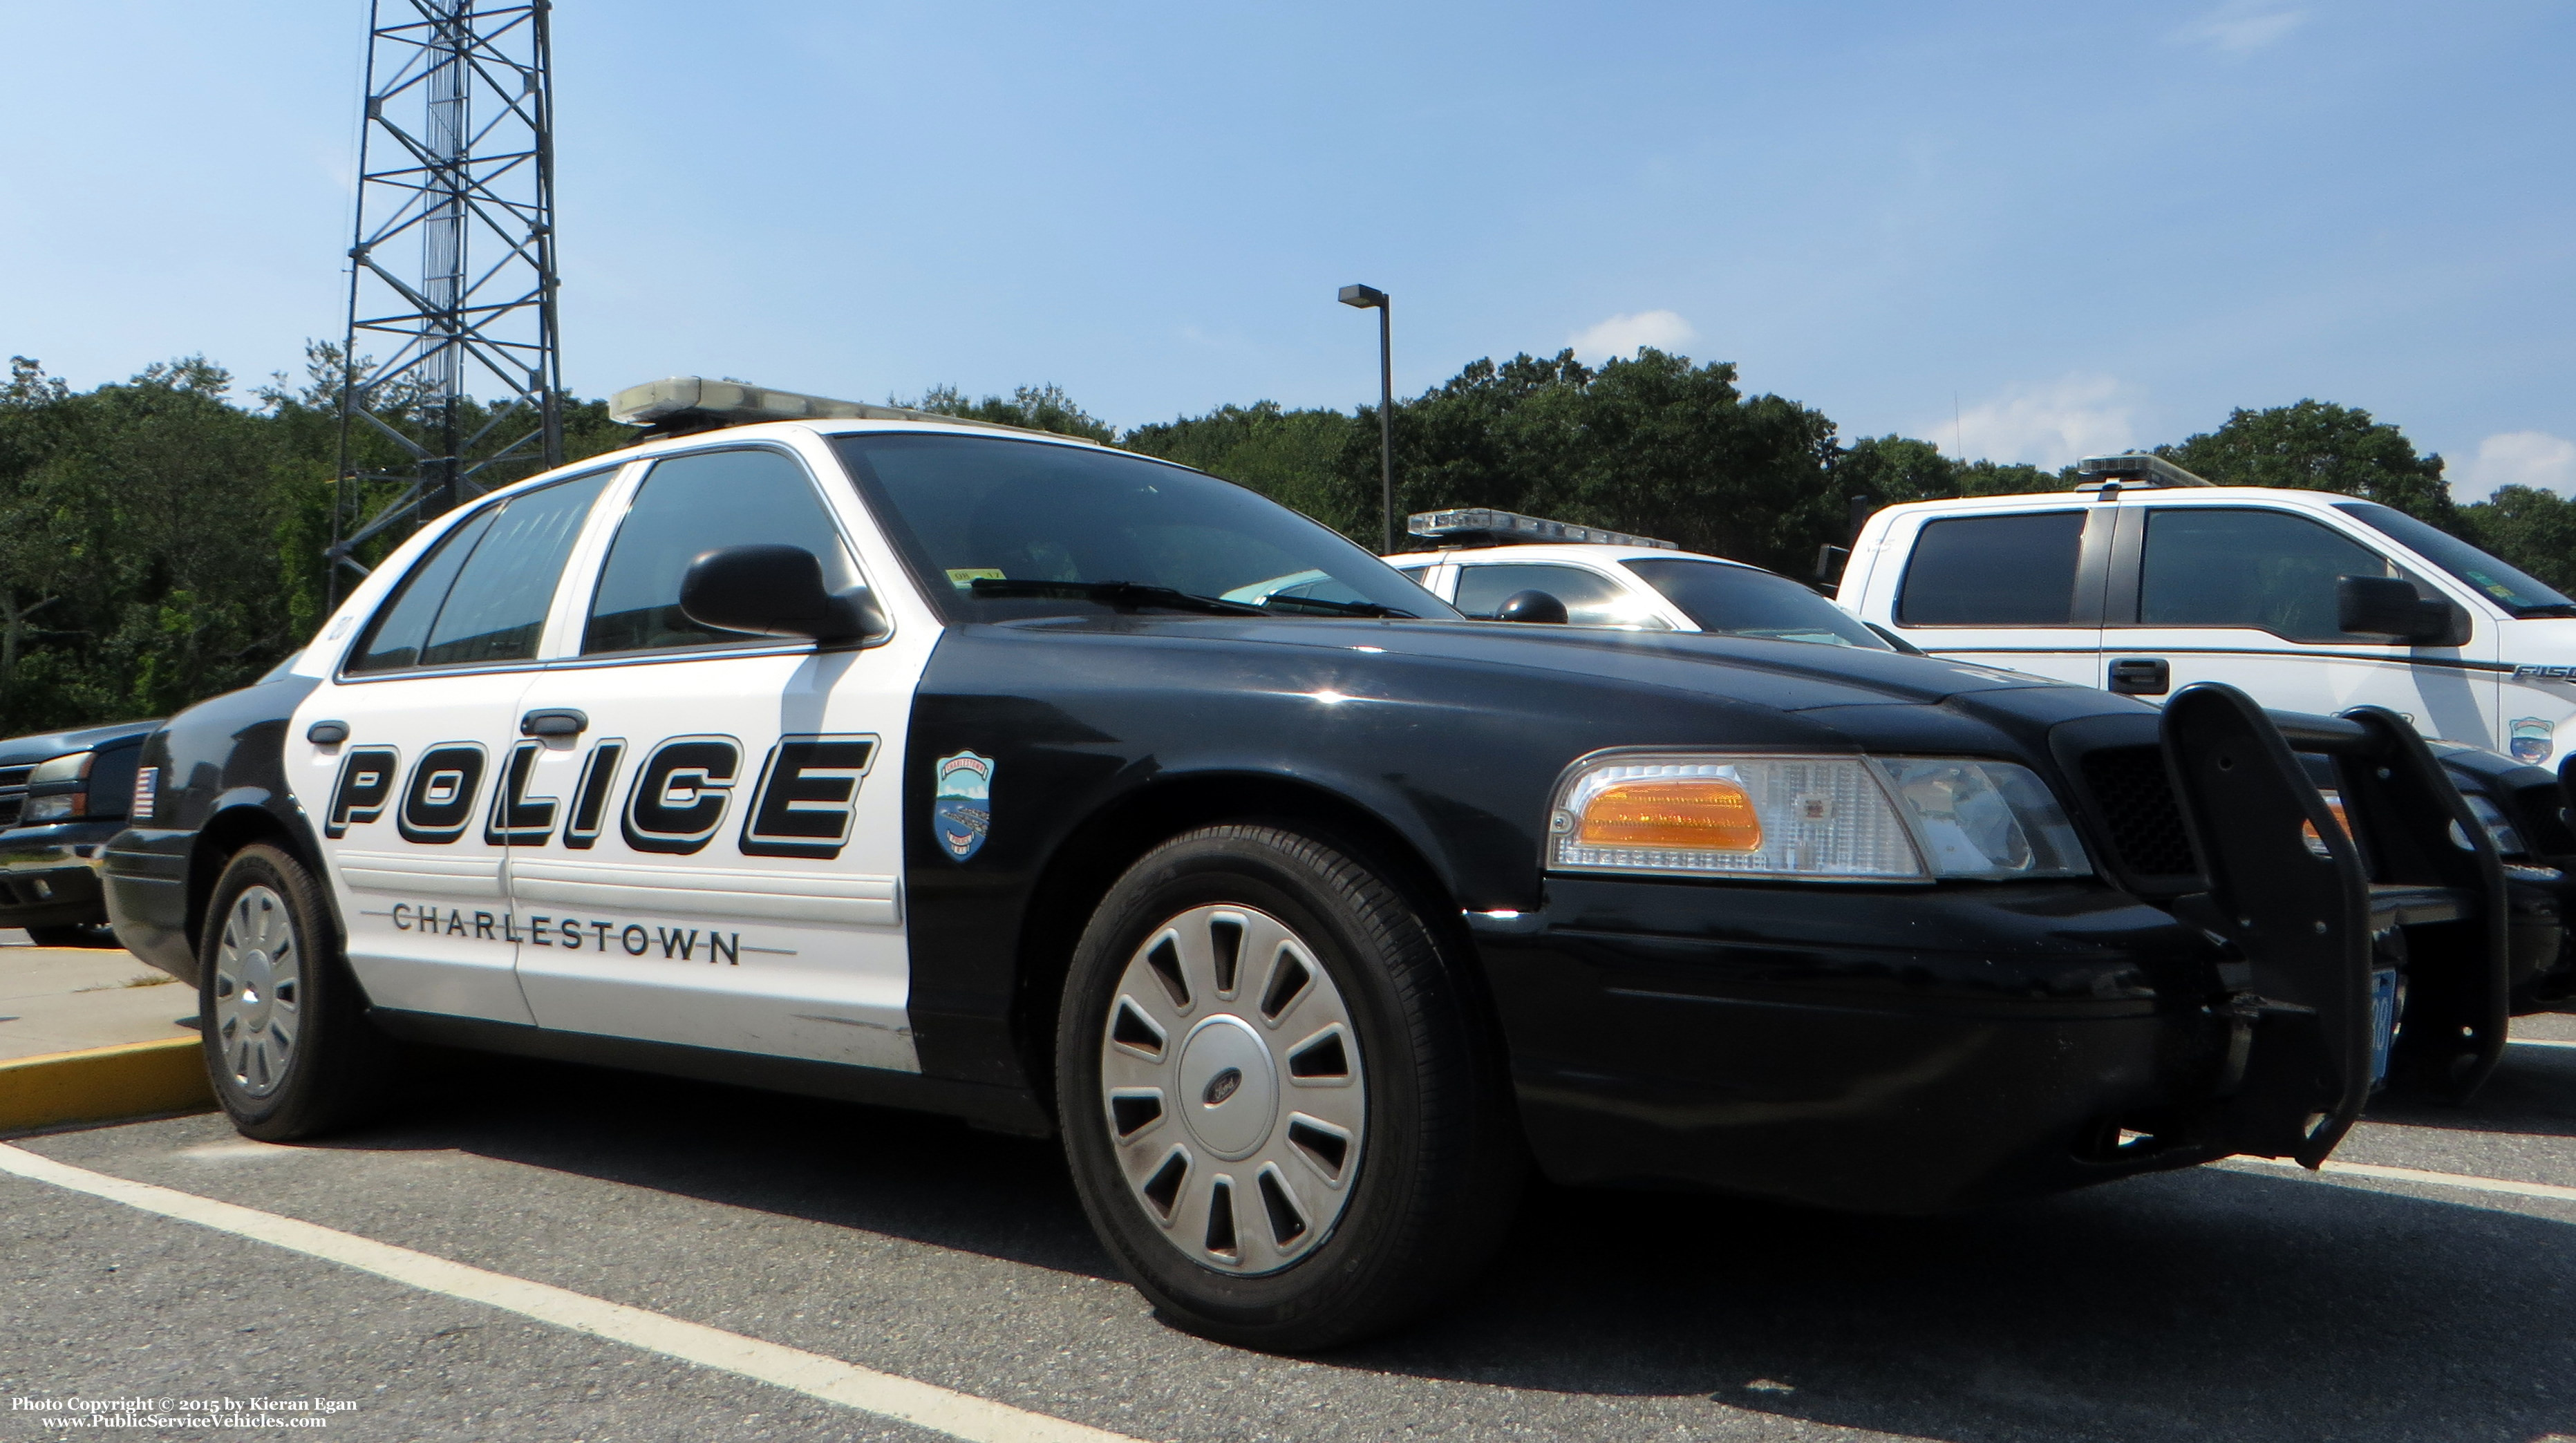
pixel 775 591
pixel 2390 606
pixel 1531 605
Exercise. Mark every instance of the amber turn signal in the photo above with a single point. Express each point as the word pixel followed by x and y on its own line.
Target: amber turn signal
pixel 1704 814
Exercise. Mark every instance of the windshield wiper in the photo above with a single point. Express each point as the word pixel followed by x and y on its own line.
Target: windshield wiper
pixel 2545 609
pixel 1341 608
pixel 1125 595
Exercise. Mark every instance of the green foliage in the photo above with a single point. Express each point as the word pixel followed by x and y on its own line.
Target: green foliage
pixel 1292 457
pixel 2319 446
pixel 2535 530
pixel 1040 408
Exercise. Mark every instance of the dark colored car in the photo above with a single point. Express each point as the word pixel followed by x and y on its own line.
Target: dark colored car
pixel 62 796
pixel 932 766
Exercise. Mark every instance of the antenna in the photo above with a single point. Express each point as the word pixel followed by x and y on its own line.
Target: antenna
pixel 451 268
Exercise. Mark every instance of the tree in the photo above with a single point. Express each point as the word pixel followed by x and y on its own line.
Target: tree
pixel 2319 446
pixel 2533 529
pixel 1040 408
pixel 1292 457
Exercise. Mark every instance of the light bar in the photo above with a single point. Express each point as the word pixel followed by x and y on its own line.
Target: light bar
pixel 1510 527
pixel 2136 468
pixel 674 401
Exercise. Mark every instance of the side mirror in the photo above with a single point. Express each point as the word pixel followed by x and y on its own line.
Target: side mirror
pixel 2390 606
pixel 775 591
pixel 1532 605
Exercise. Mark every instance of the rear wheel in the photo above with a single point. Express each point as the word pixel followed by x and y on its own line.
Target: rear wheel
pixel 1281 1108
pixel 288 1045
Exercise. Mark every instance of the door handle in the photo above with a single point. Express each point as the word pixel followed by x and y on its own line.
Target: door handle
pixel 2141 676
pixel 553 722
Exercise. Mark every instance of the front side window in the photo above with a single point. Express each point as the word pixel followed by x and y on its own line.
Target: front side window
pixel 2265 570
pixel 997 529
pixel 691 505
pixel 2516 591
pixel 481 594
pixel 1590 598
pixel 2016 570
pixel 1744 601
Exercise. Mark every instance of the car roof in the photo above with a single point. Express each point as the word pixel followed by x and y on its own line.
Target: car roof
pixel 1557 551
pixel 2129 496
pixel 789 431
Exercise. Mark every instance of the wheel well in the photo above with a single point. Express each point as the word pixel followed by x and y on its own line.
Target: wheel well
pixel 231 830
pixel 1094 855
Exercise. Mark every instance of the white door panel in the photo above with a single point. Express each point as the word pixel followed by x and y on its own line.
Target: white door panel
pixel 709 892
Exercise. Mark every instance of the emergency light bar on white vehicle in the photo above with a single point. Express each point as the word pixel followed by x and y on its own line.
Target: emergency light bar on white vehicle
pixel 2133 468
pixel 1481 526
pixel 678 405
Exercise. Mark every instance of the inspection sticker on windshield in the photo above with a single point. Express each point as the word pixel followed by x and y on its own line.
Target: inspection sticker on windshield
pixel 963 812
pixel 965 577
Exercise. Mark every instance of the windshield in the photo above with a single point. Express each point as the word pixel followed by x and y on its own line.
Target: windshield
pixel 2515 591
pixel 965 509
pixel 1743 601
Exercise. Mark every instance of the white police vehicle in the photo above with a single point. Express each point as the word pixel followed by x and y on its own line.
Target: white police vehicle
pixel 1502 565
pixel 884 757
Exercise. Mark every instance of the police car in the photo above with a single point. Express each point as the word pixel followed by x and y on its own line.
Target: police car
pixel 890 758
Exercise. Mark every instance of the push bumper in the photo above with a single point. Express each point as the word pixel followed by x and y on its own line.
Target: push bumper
pixel 1932 1049
pixel 49 876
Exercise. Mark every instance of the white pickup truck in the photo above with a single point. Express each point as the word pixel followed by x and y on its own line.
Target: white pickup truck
pixel 2146 578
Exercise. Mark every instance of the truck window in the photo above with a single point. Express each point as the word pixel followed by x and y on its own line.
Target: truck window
pixel 481 596
pixel 2016 570
pixel 2267 570
pixel 1590 598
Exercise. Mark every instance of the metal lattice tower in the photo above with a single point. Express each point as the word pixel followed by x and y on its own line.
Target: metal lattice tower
pixel 452 268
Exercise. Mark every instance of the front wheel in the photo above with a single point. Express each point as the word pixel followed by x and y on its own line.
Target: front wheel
pixel 288 1045
pixel 1282 1109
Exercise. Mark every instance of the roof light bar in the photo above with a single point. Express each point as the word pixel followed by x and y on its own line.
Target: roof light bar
pixel 2134 468
pixel 1506 528
pixel 677 405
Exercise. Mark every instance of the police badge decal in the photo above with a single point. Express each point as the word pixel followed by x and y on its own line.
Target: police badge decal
pixel 962 811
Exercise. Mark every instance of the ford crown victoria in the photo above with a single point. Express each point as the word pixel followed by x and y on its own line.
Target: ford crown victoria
pixel 919 763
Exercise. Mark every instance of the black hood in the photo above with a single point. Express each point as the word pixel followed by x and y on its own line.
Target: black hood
pixel 25 751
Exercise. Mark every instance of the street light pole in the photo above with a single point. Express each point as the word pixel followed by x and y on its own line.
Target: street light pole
pixel 1371 298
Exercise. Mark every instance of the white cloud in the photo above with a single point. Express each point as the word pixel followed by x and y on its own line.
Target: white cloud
pixel 1622 335
pixel 2048 425
pixel 2518 458
pixel 2241 27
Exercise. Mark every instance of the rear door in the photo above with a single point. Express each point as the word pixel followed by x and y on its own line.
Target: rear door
pixel 2246 595
pixel 708 849
pixel 2019 589
pixel 397 754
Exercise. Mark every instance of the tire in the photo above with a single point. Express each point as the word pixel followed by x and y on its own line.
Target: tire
pixel 73 934
pixel 1300 1147
pixel 288 1046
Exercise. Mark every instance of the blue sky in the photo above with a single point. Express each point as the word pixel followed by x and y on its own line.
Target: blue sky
pixel 2032 230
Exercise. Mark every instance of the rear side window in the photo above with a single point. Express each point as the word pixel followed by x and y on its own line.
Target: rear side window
pixel 688 506
pixel 2263 570
pixel 480 596
pixel 2014 570
pixel 1590 598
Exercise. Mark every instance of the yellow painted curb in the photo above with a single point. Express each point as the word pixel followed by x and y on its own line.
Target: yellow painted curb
pixel 103 1084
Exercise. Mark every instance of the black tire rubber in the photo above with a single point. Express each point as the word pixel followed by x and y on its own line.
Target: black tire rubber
pixel 1441 1175
pixel 72 934
pixel 341 1068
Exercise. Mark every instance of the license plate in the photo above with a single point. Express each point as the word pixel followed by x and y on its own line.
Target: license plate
pixel 2383 1023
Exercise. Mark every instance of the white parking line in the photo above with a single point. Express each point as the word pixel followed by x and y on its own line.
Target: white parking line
pixel 959 1415
pixel 2465 1181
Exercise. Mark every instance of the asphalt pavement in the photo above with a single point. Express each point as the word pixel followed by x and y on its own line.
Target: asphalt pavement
pixel 2244 1301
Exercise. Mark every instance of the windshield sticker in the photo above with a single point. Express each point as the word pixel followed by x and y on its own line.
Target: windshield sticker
pixel 963 811
pixel 965 577
pixel 2531 739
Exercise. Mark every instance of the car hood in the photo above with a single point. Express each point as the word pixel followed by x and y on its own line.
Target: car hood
pixel 24 751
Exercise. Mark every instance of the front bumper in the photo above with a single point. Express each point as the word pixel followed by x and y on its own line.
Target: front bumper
pixel 49 875
pixel 1877 1050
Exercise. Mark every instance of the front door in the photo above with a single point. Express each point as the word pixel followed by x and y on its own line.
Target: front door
pixel 2246 595
pixel 397 756
pixel 710 849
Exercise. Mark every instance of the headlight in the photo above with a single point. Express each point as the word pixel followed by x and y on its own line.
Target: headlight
pixel 59 808
pixel 1842 818
pixel 2499 827
pixel 69 767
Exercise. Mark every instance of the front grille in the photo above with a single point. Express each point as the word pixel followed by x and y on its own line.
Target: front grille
pixel 2134 799
pixel 13 793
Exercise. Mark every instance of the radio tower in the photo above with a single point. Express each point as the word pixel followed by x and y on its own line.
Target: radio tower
pixel 451 270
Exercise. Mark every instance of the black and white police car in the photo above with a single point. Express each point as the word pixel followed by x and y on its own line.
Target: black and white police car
pixel 896 759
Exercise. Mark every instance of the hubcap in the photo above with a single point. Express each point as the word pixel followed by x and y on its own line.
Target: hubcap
pixel 1231 1079
pixel 258 990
